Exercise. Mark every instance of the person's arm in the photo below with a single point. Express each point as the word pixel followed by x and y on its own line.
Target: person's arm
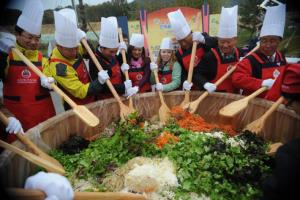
pixel 3 64
pixel 206 70
pixel 242 77
pixel 210 42
pixel 176 78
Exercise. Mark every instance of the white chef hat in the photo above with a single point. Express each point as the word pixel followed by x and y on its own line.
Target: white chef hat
pixel 137 40
pixel 228 22
pixel 109 33
pixel 32 16
pixel 66 28
pixel 274 21
pixel 166 43
pixel 179 25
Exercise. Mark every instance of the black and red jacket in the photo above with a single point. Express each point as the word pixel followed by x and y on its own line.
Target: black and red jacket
pixel 255 68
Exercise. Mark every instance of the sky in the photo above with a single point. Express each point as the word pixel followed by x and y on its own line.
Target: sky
pixel 51 4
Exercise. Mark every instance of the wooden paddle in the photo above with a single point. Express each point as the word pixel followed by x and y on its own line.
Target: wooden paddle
pixel 80 110
pixel 273 148
pixel 31 145
pixel 125 61
pixel 35 194
pixel 238 106
pixel 258 125
pixel 186 99
pixel 50 167
pixel 124 110
pixel 192 107
pixel 164 112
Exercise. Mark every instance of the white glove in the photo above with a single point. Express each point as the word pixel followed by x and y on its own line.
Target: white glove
pixel 103 76
pixel 7 41
pixel 122 46
pixel 124 67
pixel 46 82
pixel 153 66
pixel 14 126
pixel 198 37
pixel 268 83
pixel 159 86
pixel 186 85
pixel 131 91
pixel 80 34
pixel 210 87
pixel 128 84
pixel 55 186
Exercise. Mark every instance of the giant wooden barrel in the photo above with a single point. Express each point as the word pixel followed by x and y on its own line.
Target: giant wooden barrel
pixel 282 126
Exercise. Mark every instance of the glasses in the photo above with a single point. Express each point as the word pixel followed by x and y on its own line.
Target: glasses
pixel 31 38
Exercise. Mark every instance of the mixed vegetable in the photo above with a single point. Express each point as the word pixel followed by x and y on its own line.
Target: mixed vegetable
pixel 208 164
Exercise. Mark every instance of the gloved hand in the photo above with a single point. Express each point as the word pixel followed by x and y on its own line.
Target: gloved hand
pixel 55 186
pixel 14 126
pixel 186 85
pixel 124 67
pixel 210 87
pixel 159 86
pixel 131 91
pixel 268 83
pixel 128 84
pixel 46 82
pixel 103 76
pixel 153 66
pixel 7 41
pixel 198 37
pixel 122 46
pixel 80 34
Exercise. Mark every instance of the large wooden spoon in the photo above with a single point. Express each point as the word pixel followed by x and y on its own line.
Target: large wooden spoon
pixel 125 61
pixel 81 111
pixel 34 194
pixel 164 112
pixel 192 107
pixel 124 110
pixel 186 99
pixel 50 167
pixel 31 145
pixel 238 106
pixel 258 125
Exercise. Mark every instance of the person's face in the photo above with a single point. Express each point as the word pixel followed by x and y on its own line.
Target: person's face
pixel 187 42
pixel 69 53
pixel 109 53
pixel 226 45
pixel 165 54
pixel 28 41
pixel 269 44
pixel 137 52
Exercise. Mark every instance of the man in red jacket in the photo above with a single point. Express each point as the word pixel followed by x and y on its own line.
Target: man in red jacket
pixel 261 68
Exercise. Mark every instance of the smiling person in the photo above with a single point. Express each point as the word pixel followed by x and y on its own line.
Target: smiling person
pixel 261 68
pixel 185 37
pixel 169 70
pixel 217 61
pixel 66 62
pixel 25 95
pixel 106 55
pixel 138 64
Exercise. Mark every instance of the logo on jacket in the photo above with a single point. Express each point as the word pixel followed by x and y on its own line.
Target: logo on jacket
pixel 163 80
pixel 139 76
pixel 276 73
pixel 26 73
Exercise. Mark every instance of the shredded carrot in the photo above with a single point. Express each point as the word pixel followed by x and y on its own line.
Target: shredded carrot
pixel 196 123
pixel 165 138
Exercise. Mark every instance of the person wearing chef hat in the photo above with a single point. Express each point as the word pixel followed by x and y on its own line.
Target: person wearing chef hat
pixel 261 68
pixel 66 62
pixel 106 55
pixel 218 61
pixel 138 64
pixel 185 38
pixel 25 95
pixel 169 70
